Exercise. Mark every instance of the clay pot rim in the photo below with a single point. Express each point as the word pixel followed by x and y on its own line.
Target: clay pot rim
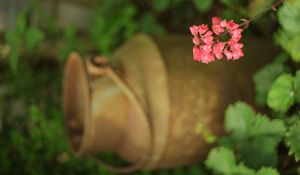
pixel 75 64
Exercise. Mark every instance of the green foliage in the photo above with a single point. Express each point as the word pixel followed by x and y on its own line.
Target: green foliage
pixel 297 86
pixel 289 36
pixel 289 42
pixel 33 37
pixel 264 79
pixel 253 134
pixel 116 21
pixel 113 22
pixel 289 16
pixel 239 119
pixel 222 161
pixel 293 139
pixel 33 141
pixel 22 35
pixel 267 171
pixel 32 137
pixel 281 95
pixel 70 43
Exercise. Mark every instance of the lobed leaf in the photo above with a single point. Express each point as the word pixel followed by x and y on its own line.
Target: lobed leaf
pixel 254 136
pixel 289 16
pixel 238 119
pixel 221 160
pixel 293 139
pixel 267 171
pixel 33 37
pixel 281 95
pixel 263 80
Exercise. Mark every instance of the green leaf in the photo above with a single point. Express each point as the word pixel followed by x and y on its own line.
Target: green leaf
pixel 267 171
pixel 21 22
pixel 259 152
pixel 14 42
pixel 33 37
pixel 290 42
pixel 281 58
pixel 281 95
pixel 293 140
pixel 203 5
pixel 259 147
pixel 264 78
pixel 262 126
pixel 70 32
pixel 238 119
pixel 288 38
pixel 221 160
pixel 254 136
pixel 243 170
pixel 297 86
pixel 289 16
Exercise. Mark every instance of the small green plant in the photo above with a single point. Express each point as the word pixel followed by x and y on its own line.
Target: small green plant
pixel 22 37
pixel 70 42
pixel 289 35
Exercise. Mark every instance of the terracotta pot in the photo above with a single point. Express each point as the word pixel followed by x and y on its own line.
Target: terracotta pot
pixel 145 102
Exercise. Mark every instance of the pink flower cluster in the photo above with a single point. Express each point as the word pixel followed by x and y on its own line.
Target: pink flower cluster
pixel 208 45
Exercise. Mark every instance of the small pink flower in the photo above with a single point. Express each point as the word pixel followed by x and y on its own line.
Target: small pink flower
pixel 206 48
pixel 215 20
pixel 236 35
pixel 203 54
pixel 202 29
pixel 194 30
pixel 196 40
pixel 223 23
pixel 217 29
pixel 231 25
pixel 237 54
pixel 234 45
pixel 218 50
pixel 207 42
pixel 228 54
pixel 236 50
pixel 207 58
pixel 197 53
pixel 218 25
pixel 208 38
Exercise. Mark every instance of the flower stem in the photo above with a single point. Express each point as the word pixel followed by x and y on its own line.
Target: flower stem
pixel 259 15
pixel 246 22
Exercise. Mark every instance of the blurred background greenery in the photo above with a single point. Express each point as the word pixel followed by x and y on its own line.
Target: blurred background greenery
pixel 37 36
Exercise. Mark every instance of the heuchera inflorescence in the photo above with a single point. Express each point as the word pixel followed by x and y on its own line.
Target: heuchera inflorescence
pixel 208 44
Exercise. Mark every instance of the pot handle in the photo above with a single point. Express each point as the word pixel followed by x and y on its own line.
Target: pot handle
pixel 99 66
